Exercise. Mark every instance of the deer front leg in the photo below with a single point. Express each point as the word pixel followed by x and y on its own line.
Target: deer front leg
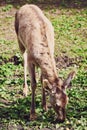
pixel 44 100
pixel 33 88
pixel 44 106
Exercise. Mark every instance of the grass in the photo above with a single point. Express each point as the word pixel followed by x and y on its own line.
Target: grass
pixel 70 27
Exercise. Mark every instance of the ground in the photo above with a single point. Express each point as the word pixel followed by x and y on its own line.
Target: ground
pixel 70 25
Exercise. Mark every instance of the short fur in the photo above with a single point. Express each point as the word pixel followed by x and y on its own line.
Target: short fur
pixel 35 35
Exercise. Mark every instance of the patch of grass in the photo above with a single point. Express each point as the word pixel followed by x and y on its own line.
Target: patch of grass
pixel 7 8
pixel 70 32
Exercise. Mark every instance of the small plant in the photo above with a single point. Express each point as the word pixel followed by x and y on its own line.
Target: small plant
pixel 7 8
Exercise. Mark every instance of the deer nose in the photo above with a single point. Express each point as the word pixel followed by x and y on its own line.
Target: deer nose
pixel 60 120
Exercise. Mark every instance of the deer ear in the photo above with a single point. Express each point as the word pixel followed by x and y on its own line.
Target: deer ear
pixel 46 85
pixel 67 81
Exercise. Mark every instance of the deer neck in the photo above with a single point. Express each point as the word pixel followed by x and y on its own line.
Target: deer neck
pixel 49 70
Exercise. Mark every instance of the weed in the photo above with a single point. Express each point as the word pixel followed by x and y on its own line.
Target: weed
pixel 7 8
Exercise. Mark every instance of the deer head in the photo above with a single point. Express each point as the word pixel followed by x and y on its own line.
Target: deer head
pixel 58 97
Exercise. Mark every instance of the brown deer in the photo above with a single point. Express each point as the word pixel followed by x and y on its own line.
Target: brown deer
pixel 35 36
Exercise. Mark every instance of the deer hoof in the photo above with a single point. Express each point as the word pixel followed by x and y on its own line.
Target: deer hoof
pixel 45 108
pixel 25 90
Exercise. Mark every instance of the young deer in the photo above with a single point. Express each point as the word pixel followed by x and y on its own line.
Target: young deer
pixel 35 36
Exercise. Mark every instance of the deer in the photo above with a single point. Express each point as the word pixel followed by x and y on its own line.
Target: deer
pixel 35 35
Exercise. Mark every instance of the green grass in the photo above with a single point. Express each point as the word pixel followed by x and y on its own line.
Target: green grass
pixel 70 27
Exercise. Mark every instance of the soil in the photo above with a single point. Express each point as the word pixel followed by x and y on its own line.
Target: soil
pixel 65 61
pixel 69 4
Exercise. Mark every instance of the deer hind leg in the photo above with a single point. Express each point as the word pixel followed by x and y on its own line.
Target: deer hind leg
pixel 44 106
pixel 33 88
pixel 25 86
pixel 23 51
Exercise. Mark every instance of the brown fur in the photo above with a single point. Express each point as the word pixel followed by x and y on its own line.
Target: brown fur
pixel 36 41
